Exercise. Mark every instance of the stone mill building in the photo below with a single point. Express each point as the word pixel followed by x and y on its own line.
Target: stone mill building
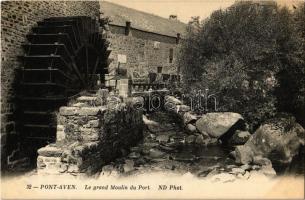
pixel 51 51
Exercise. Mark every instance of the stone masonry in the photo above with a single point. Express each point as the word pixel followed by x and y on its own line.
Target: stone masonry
pixel 142 56
pixel 17 18
pixel 90 134
pixel 147 43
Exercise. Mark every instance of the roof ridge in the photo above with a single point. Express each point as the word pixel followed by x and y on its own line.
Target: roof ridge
pixel 140 11
pixel 119 14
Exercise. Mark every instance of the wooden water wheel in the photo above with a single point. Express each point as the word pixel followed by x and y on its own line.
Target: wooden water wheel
pixel 62 55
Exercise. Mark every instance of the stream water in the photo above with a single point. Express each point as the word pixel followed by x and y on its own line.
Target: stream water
pixel 164 147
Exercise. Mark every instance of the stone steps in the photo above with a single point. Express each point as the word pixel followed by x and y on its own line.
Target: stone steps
pixel 89 135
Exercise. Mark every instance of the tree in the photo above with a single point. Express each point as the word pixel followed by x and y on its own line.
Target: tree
pixel 291 90
pixel 240 53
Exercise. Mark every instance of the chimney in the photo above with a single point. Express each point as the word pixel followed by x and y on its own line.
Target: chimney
pixel 127 28
pixel 178 38
pixel 173 17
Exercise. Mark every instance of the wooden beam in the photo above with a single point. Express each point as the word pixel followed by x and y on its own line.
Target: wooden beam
pixel 94 68
pixel 87 66
pixel 78 73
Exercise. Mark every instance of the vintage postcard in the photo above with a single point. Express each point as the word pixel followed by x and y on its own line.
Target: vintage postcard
pixel 152 99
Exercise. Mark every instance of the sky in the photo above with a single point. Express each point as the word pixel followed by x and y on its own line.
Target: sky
pixel 184 9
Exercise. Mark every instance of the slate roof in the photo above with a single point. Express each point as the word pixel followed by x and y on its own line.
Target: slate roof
pixel 140 20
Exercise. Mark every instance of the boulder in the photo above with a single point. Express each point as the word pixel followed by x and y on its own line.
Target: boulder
pixel 149 145
pixel 135 149
pixel 102 95
pixel 171 104
pixel 237 170
pixel 113 101
pixel 218 124
pixel 183 108
pixel 157 128
pixel 168 147
pixel 155 153
pixel 49 165
pixel 60 135
pixel 128 166
pixel 134 155
pixel 79 105
pixel 258 160
pixel 267 170
pixel 60 128
pixel 172 100
pixel 278 139
pixel 50 151
pixel 191 128
pixel 199 140
pixel 223 178
pixel 243 154
pixel 211 141
pixel 107 170
pixel 177 139
pixel 239 137
pixel 140 161
pixel 188 117
pixel 90 134
pixel 162 138
pixel 93 111
pixel 183 157
pixel 67 111
pixel 136 103
pixel 95 123
pixel 147 121
pixel 82 149
pixel 190 139
pixel 246 167
pixel 87 99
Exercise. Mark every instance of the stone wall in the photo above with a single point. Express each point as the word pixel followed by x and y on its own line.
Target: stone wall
pixel 182 112
pixel 143 55
pixel 90 134
pixel 17 18
pixel 209 129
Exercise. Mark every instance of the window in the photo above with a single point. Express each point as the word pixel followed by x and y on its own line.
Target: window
pixel 159 70
pixel 122 58
pixel 171 55
pixel 141 56
pixel 156 45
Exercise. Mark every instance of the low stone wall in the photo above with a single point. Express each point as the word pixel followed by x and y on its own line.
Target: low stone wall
pixel 187 120
pixel 181 111
pixel 90 135
pixel 210 128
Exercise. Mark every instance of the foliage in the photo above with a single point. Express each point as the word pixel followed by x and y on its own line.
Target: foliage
pixel 244 54
pixel 291 93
